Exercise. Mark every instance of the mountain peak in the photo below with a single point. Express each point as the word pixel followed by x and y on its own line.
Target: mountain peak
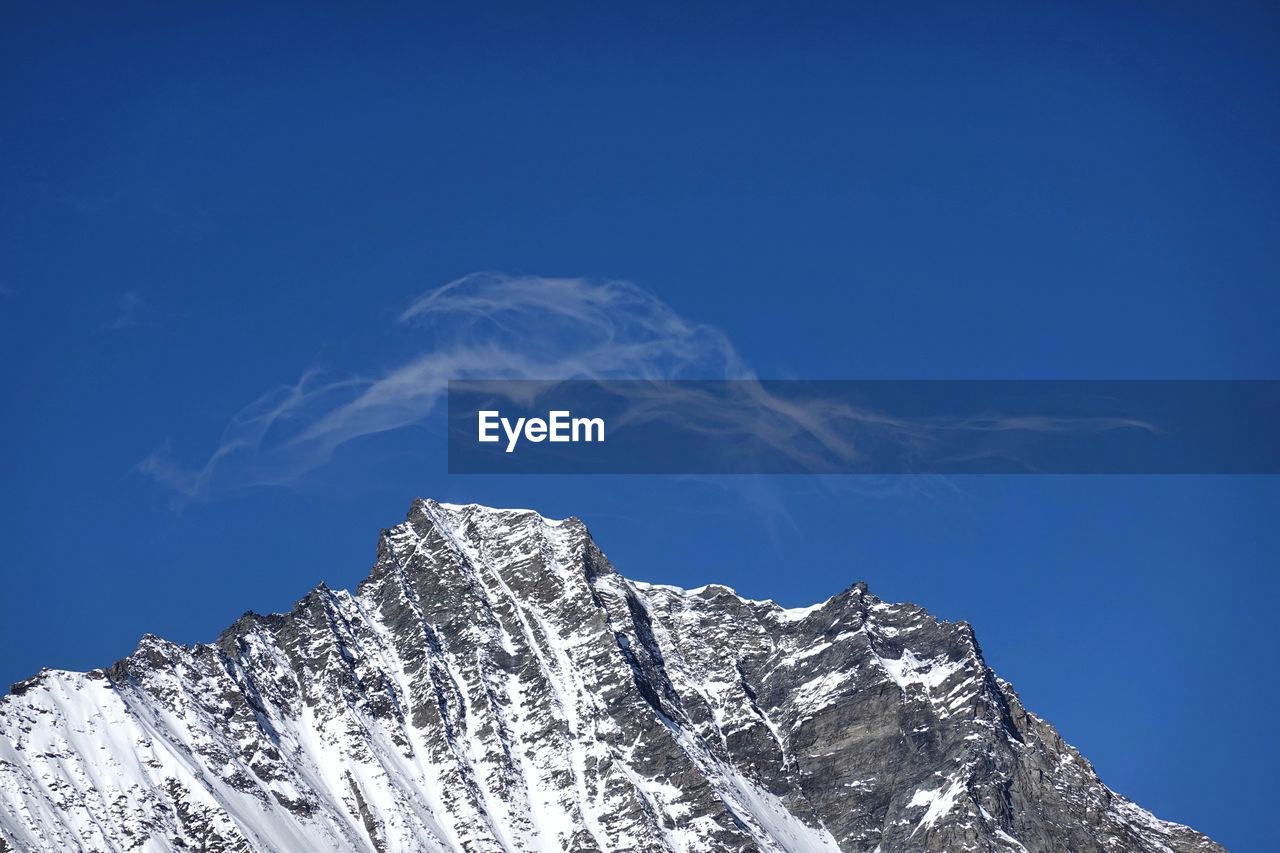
pixel 443 509
pixel 495 685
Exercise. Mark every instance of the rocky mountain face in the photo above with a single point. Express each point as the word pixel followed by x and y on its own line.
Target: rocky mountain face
pixel 495 685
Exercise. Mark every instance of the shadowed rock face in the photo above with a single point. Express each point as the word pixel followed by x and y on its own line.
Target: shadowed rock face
pixel 495 685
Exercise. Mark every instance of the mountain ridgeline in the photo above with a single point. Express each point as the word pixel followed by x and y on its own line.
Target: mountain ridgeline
pixel 495 685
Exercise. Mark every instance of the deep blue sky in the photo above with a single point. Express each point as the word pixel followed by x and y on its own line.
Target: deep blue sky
pixel 197 209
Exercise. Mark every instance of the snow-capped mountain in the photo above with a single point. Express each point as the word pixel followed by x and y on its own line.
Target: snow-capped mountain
pixel 495 685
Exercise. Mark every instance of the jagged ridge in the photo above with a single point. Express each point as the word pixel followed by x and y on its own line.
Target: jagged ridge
pixel 495 685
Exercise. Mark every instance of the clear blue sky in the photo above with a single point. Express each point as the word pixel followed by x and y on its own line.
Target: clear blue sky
pixel 201 205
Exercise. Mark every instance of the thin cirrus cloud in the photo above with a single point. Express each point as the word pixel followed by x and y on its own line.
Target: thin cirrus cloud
pixel 486 326
pixel 497 327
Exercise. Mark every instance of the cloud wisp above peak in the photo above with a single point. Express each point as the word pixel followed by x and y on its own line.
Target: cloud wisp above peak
pixel 481 326
pixel 498 327
pixel 580 327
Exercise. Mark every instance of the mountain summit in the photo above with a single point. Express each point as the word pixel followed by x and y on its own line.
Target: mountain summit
pixel 495 685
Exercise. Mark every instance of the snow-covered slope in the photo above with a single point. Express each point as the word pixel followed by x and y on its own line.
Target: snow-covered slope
pixel 494 685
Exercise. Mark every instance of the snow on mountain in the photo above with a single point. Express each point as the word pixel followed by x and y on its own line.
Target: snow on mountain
pixel 495 685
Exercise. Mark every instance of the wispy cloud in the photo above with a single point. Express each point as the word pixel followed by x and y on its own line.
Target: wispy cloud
pixel 503 327
pixel 482 326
